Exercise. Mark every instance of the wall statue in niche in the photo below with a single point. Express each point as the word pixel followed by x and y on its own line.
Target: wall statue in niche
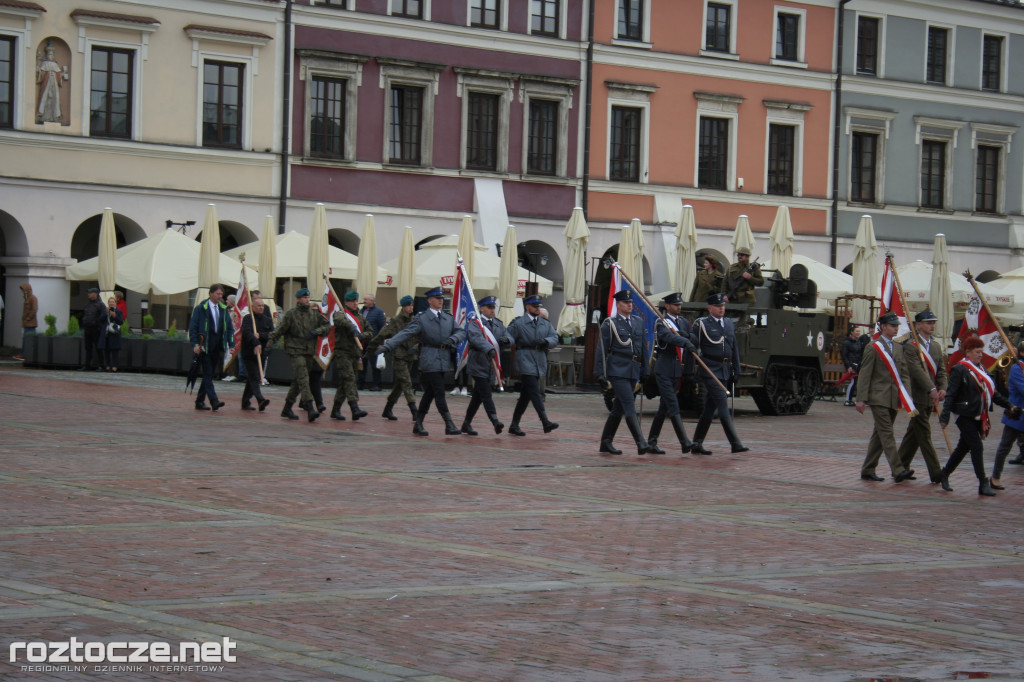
pixel 53 82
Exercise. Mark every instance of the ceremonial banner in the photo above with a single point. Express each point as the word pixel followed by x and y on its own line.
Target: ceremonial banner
pixel 977 321
pixel 641 306
pixel 465 312
pixel 325 344
pixel 892 302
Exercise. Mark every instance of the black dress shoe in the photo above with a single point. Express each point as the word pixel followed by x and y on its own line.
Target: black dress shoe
pixel 263 403
pixel 550 426
pixel 217 405
pixel 871 477
pixel 698 449
pixel 201 406
pixel 740 448
pixel 904 475
pixel 606 446
pixel 653 449
pixel 514 430
pixel 248 407
pixel 996 486
pixel 1019 459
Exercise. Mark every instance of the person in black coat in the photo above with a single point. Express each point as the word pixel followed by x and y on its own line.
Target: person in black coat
pixel 94 319
pixel 256 329
pixel 620 363
pixel 672 336
pixel 110 338
pixel 970 395
pixel 851 352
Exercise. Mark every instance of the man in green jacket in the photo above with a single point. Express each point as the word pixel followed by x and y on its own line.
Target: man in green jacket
pixel 300 328
pixel 404 355
pixel 351 331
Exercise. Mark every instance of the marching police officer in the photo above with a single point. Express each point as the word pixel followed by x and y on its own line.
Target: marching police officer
pixel 300 327
pixel 351 331
pixel 438 335
pixel 534 337
pixel 621 362
pixel 672 339
pixel 715 337
pixel 741 278
pixel 482 357
pixel 404 355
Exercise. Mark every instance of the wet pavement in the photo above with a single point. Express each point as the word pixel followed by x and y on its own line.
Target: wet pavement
pixel 357 551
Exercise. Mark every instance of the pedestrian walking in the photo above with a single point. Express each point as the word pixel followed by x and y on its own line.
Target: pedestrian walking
pixel 257 326
pixel 211 334
pixel 483 356
pixel 621 364
pixel 919 427
pixel 403 356
pixel 672 342
pixel 1013 427
pixel 533 336
pixel 300 328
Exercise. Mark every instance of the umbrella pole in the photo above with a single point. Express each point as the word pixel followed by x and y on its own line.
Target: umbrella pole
pixel 167 312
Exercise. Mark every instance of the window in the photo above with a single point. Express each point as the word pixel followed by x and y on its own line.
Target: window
pixel 482 131
pixel 718 31
pixel 713 153
pixel 867 46
pixel 544 17
pixel 992 64
pixel 485 13
pixel 412 9
pixel 631 20
pixel 938 49
pixel 787 37
pixel 624 153
pixel 986 192
pixel 406 124
pixel 222 104
pixel 110 95
pixel 781 158
pixel 863 167
pixel 7 71
pixel 327 117
pixel 541 153
pixel 933 174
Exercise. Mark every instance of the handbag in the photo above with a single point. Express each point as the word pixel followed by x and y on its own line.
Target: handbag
pixel 112 328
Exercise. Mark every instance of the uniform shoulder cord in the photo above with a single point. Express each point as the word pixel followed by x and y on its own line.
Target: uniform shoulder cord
pixel 704 332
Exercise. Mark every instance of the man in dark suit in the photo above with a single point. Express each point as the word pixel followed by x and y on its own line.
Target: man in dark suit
pixel 672 338
pixel 715 337
pixel 211 333
pixel 884 370
pixel 438 335
pixel 621 362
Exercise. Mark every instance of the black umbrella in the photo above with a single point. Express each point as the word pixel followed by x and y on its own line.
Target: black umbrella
pixel 194 370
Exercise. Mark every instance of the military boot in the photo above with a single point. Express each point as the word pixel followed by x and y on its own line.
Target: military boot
pixel 498 426
pixel 611 425
pixel 549 425
pixel 467 428
pixel 652 437
pixel 730 433
pixel 985 488
pixel 697 447
pixel 517 414
pixel 413 409
pixel 677 424
pixel 357 414
pixel 387 413
pixel 336 412
pixel 417 427
pixel 312 413
pixel 286 411
pixel 638 436
pixel 450 429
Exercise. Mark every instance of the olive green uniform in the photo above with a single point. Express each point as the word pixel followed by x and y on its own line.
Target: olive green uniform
pixel 295 328
pixel 707 283
pixel 348 349
pixel 744 288
pixel 404 355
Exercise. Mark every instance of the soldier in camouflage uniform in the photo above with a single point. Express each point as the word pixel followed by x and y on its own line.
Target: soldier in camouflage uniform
pixel 300 327
pixel 404 355
pixel 742 278
pixel 351 331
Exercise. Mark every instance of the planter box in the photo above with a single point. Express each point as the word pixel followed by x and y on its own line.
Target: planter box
pixel 162 355
pixel 32 350
pixel 65 351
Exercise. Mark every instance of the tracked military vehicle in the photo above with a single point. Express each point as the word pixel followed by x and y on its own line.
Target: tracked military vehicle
pixel 782 348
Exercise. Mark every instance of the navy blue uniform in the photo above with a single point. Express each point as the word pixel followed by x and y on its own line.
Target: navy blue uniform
pixel 622 361
pixel 716 343
pixel 672 342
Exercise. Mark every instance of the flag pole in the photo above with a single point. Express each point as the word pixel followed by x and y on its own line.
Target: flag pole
pixel 911 325
pixel 660 316
pixel 476 311
pixel 334 293
pixel 984 303
pixel 252 316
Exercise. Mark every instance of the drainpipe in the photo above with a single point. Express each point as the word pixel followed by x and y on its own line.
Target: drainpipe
pixel 837 117
pixel 286 104
pixel 589 99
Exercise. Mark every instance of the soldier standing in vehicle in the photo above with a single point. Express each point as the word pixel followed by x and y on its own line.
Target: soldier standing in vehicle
pixel 709 281
pixel 741 279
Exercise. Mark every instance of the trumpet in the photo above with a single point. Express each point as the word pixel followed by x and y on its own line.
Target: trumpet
pixel 1006 360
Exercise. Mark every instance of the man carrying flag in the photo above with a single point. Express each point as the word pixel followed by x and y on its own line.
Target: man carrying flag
pixel 487 338
pixel 919 428
pixel 621 363
pixel 881 384
pixel 351 332
pixel 673 336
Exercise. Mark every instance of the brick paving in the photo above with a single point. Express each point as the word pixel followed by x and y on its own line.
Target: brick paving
pixel 356 551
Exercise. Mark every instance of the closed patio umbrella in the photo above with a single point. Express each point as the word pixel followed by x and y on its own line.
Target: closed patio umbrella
pixel 573 318
pixel 637 230
pixel 508 277
pixel 686 253
pixel 867 278
pixel 406 280
pixel 107 255
pixel 742 235
pixel 627 247
pixel 940 296
pixel 317 257
pixel 366 274
pixel 267 264
pixel 209 252
pixel 467 248
pixel 781 236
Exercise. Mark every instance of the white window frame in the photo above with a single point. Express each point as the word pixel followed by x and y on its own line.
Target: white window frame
pixel 345 4
pixel 502 16
pixel 247 96
pixel 787 114
pixel 400 72
pixel 937 130
pixel 1003 59
pixel 426 10
pixel 801 44
pixel 710 105
pixel 880 123
pixel 880 67
pixel 347 67
pixel 645 30
pixel 992 135
pixel 23 56
pixel 733 10
pixel 950 52
pixel 562 20
pixel 491 83
pixel 632 96
pixel 549 90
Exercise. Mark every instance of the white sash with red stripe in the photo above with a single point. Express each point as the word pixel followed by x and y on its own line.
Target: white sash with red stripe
pixel 355 322
pixel 929 362
pixel 671 325
pixel 905 399
pixel 985 383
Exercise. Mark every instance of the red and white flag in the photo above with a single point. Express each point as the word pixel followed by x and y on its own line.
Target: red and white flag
pixel 240 310
pixel 978 322
pixel 892 302
pixel 325 344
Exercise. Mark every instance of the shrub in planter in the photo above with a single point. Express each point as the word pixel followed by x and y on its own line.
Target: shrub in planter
pixel 172 331
pixel 51 325
pixel 73 326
